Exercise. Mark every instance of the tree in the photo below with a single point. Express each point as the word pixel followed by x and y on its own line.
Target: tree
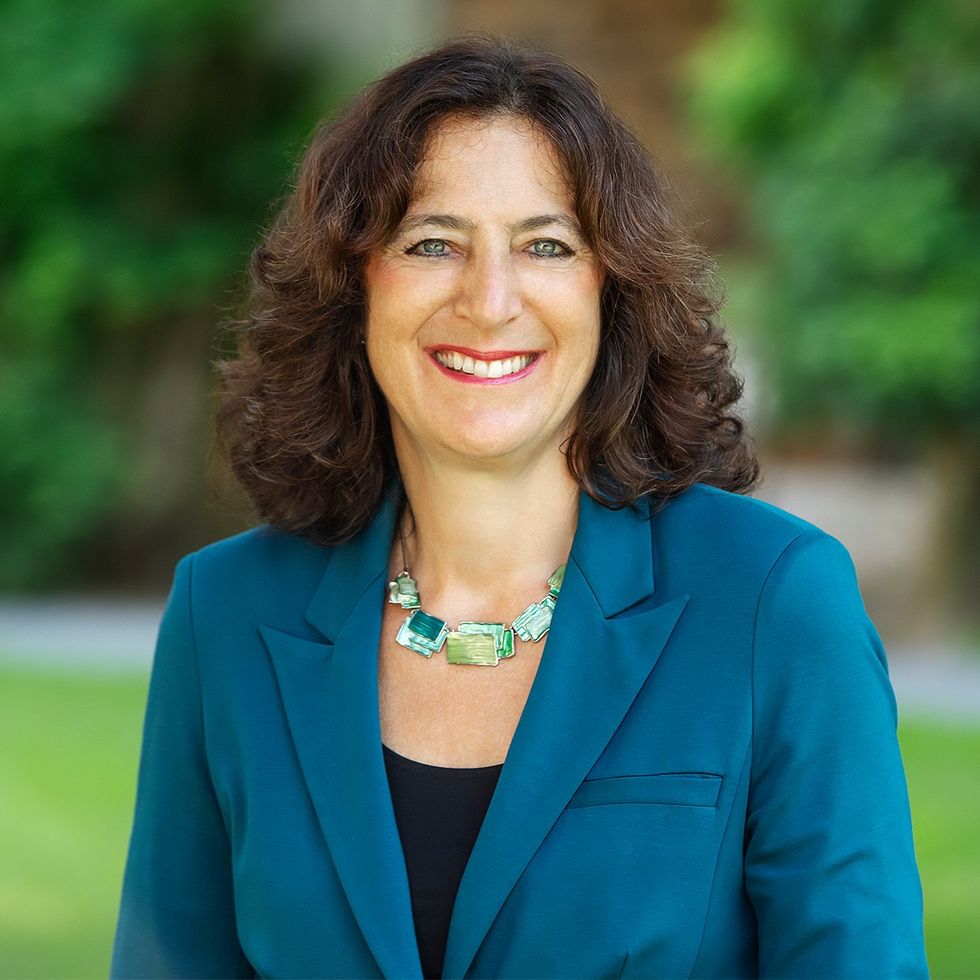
pixel 140 144
pixel 853 127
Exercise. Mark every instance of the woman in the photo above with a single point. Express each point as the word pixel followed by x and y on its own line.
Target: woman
pixel 484 414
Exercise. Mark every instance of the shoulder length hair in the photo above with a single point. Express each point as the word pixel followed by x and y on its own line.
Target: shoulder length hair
pixel 300 417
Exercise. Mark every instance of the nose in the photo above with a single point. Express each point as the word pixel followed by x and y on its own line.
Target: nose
pixel 488 294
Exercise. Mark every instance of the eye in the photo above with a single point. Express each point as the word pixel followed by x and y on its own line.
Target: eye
pixel 429 248
pixel 550 248
pixel 542 248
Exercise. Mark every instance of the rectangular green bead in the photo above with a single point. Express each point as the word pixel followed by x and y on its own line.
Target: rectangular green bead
pixel 496 630
pixel 471 648
pixel 426 625
pixel 535 621
pixel 426 640
pixel 503 637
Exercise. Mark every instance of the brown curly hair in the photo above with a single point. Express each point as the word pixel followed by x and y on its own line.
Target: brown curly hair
pixel 300 416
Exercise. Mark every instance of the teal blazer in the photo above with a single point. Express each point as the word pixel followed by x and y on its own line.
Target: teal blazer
pixel 705 780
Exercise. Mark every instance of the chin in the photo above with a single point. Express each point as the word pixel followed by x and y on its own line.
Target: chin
pixel 488 445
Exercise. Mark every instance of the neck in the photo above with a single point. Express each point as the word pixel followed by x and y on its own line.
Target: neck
pixel 481 544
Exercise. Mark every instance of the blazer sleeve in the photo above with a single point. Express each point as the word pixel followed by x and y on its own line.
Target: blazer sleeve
pixel 176 916
pixel 830 867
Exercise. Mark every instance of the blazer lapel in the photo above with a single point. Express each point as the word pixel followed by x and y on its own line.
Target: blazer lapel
pixel 606 635
pixel 330 695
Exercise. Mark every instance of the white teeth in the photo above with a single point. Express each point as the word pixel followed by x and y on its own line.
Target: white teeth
pixel 483 369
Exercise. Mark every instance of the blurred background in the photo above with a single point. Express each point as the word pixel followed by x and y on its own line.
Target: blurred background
pixel 828 153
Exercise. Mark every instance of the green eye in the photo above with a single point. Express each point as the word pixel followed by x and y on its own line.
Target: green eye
pixel 550 248
pixel 431 247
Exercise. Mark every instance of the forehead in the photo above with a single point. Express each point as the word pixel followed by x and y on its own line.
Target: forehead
pixel 494 159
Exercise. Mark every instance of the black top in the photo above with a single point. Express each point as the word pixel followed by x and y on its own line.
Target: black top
pixel 439 812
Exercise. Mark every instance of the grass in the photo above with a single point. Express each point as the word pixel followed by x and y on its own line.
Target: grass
pixel 69 747
pixel 68 758
pixel 942 763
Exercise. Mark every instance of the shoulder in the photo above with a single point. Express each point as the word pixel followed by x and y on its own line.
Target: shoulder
pixel 797 580
pixel 256 571
pixel 741 539
pixel 735 515
pixel 779 575
pixel 263 544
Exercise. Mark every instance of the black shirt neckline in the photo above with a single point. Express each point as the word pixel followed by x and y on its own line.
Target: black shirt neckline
pixel 414 765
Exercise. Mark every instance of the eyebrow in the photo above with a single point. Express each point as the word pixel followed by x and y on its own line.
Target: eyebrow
pixel 455 223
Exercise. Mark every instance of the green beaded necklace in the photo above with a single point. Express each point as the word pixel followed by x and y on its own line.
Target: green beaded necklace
pixel 484 644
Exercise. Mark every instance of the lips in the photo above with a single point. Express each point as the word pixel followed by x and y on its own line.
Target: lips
pixel 484 355
pixel 465 378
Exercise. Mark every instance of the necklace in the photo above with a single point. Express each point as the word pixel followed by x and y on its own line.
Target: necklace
pixel 484 644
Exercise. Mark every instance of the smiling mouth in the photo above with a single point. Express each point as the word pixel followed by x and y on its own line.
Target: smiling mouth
pixel 502 367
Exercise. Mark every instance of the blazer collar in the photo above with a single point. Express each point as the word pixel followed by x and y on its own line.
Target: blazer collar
pixel 607 633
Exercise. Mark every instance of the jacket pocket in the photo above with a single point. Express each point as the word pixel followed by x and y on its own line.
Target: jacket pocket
pixel 673 788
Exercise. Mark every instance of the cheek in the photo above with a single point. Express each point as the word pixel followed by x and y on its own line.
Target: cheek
pixel 391 292
pixel 394 277
pixel 578 306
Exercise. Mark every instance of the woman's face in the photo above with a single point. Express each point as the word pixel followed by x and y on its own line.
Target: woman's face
pixel 488 265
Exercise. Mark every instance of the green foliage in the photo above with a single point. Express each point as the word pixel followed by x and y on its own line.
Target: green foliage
pixel 140 144
pixel 854 127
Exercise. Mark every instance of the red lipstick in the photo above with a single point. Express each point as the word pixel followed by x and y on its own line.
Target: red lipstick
pixel 475 379
pixel 485 355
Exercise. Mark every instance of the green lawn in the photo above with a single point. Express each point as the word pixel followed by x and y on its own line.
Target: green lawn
pixel 69 750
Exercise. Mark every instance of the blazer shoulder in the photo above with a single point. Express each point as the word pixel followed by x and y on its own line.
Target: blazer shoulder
pixel 732 535
pixel 743 514
pixel 262 544
pixel 262 562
